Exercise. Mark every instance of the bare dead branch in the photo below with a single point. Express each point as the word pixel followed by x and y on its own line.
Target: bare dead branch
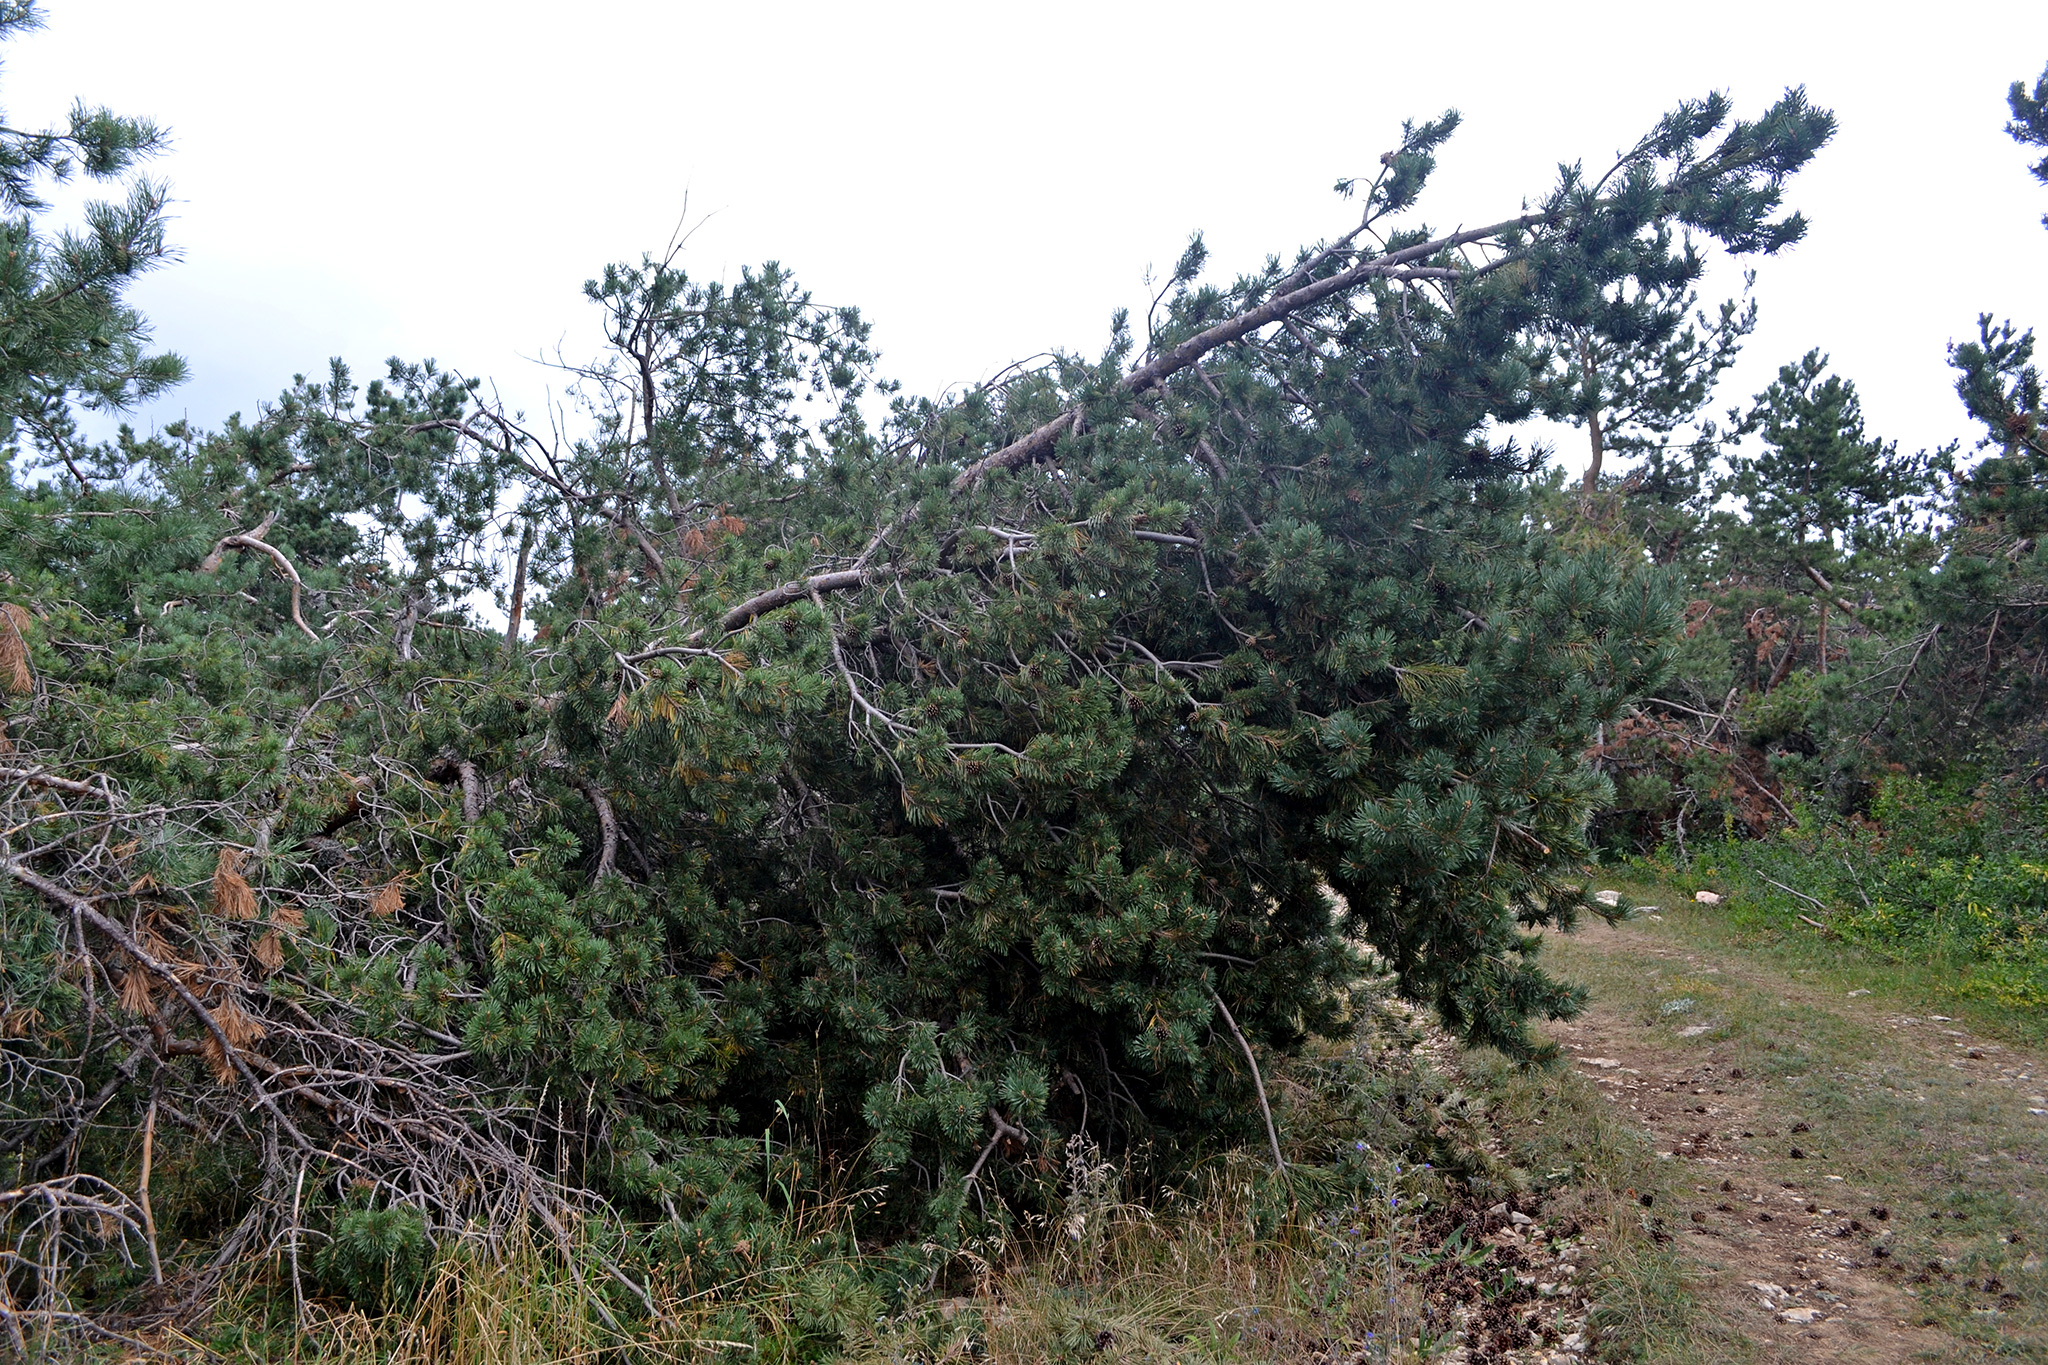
pixel 760 604
pixel 1258 1082
pixel 253 540
pixel 231 1054
pixel 1818 577
pixel 36 777
pixel 607 826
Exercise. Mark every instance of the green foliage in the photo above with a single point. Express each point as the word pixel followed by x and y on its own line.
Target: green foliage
pixel 66 337
pixel 1819 487
pixel 880 804
pixel 2029 126
pixel 376 1258
pixel 1640 368
pixel 1945 871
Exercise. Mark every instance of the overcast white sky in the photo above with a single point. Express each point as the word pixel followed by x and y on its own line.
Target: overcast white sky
pixel 987 181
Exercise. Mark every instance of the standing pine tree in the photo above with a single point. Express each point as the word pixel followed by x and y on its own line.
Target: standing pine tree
pixel 66 337
pixel 2029 126
pixel 1633 366
pixel 1820 488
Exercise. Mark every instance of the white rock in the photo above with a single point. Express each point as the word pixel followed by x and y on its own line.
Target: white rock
pixel 1799 1316
pixel 1767 1289
pixel 1707 897
pixel 1608 897
pixel 1520 1220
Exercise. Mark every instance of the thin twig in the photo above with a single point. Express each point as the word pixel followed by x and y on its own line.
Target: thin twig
pixel 1904 678
pixel 1258 1082
pixel 156 1265
pixel 298 1290
pixel 1816 904
pixel 1004 1128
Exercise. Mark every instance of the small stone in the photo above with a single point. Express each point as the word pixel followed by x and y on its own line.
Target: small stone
pixel 1799 1316
pixel 1797 1155
pixel 1608 898
pixel 1520 1219
pixel 1707 897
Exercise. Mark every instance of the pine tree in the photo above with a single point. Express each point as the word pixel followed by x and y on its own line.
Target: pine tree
pixel 66 337
pixel 1018 765
pixel 1987 600
pixel 1634 367
pixel 2029 126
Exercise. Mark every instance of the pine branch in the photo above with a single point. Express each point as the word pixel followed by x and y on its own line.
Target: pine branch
pixel 253 540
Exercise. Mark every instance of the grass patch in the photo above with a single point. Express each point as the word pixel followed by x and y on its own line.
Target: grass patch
pixel 1810 945
pixel 1941 896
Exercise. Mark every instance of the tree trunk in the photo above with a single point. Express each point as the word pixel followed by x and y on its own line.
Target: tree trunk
pixel 518 592
pixel 1599 442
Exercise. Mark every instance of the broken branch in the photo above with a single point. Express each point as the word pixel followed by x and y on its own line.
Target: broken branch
pixel 253 540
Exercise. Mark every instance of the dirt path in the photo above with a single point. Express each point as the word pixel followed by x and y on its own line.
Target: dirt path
pixel 1854 1183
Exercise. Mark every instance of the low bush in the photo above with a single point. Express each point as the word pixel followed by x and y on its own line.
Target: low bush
pixel 1955 871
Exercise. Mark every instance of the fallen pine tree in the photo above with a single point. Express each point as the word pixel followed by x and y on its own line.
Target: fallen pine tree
pixel 915 792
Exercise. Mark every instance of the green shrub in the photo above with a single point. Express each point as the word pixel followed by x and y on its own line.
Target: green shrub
pixel 375 1258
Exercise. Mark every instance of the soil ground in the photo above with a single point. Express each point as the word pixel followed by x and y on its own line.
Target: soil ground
pixel 1849 1180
